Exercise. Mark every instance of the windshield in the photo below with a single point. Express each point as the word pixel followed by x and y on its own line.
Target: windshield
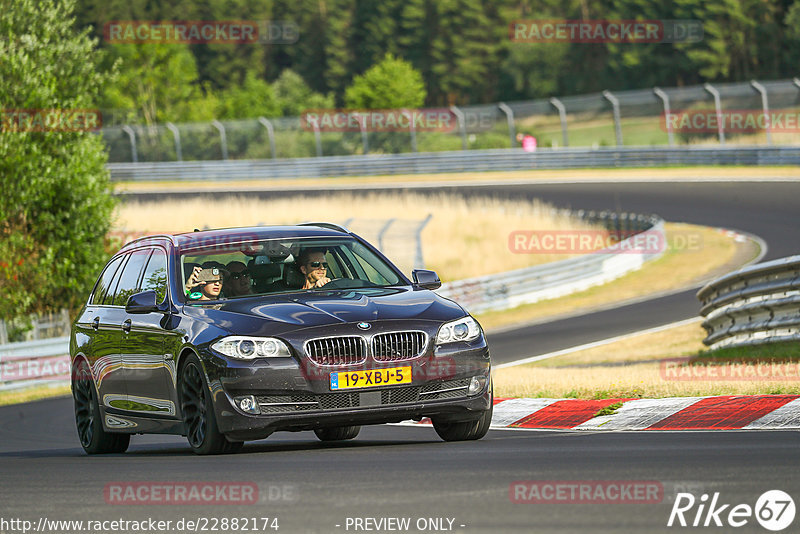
pixel 280 266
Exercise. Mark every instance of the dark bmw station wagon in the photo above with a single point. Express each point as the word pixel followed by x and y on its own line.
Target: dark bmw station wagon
pixel 226 336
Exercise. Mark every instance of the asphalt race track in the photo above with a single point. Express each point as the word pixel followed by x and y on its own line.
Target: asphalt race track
pixel 407 472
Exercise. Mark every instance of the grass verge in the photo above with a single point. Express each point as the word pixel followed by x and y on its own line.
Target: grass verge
pixel 32 394
pixel 669 363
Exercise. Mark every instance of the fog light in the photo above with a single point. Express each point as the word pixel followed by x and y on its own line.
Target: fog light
pixel 476 385
pixel 248 404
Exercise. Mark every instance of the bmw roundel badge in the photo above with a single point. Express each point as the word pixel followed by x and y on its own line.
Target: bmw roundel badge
pixel 364 326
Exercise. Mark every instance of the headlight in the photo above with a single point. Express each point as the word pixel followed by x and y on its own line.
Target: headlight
pixel 249 348
pixel 465 329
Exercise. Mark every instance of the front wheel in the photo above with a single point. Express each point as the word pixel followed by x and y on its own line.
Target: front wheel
pixel 198 413
pixel 467 430
pixel 88 419
pixel 340 433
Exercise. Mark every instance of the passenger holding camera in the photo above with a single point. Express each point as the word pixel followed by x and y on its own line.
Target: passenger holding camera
pixel 205 283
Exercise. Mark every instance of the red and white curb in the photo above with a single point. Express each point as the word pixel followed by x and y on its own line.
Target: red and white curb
pixel 742 412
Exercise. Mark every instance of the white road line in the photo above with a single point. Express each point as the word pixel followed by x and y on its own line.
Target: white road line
pixel 599 343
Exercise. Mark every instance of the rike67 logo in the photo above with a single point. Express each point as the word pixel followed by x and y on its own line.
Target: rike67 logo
pixel 774 510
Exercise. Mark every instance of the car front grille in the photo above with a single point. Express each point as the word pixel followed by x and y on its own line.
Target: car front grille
pixel 343 350
pixel 397 346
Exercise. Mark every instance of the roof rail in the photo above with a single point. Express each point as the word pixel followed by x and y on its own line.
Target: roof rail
pixel 168 237
pixel 330 226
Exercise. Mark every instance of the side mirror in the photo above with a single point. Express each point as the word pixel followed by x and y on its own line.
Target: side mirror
pixel 426 279
pixel 144 302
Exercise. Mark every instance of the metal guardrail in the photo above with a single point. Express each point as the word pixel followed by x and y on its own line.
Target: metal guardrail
pixel 556 279
pixel 28 363
pixel 458 161
pixel 755 305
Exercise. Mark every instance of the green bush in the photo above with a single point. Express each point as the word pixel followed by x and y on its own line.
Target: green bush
pixel 56 203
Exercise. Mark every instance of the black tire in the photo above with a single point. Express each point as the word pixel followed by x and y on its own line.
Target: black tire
pixel 339 433
pixel 88 419
pixel 466 430
pixel 198 413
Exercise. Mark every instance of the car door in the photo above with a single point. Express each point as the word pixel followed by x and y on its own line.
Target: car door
pixel 101 322
pixel 148 368
pixel 126 286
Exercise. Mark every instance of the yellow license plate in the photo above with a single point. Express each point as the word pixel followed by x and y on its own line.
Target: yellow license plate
pixel 371 378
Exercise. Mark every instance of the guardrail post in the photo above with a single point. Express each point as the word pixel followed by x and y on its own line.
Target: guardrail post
pixel 222 138
pixel 411 129
pixel 177 135
pixel 462 125
pixel 562 114
pixel 718 106
pixel 382 232
pixel 512 134
pixel 765 107
pixel 270 133
pixel 132 136
pixel 615 108
pixel 362 125
pixel 419 262
pixel 665 100
pixel 317 139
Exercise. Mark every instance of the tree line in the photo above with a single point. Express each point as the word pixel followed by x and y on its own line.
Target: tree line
pixel 461 49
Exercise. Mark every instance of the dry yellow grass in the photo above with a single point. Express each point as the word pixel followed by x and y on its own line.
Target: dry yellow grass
pixel 32 394
pixel 630 368
pixel 465 238
pixel 679 267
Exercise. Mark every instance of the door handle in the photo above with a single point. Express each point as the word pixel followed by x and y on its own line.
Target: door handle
pixel 126 325
pixel 96 323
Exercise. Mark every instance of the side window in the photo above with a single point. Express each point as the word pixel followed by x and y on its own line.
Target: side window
pixel 105 281
pixel 155 275
pixel 129 281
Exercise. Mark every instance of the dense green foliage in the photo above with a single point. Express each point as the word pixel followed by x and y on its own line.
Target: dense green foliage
pixel 390 84
pixel 460 47
pixel 55 207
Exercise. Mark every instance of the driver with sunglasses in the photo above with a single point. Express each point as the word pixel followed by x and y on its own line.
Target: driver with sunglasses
pixel 237 280
pixel 314 268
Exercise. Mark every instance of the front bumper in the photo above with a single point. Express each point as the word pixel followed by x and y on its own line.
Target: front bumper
pixel 294 395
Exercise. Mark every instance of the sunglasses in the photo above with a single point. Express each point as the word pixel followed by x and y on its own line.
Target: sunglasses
pixel 236 276
pixel 318 264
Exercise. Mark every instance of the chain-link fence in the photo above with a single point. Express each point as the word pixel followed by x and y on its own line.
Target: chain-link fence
pixel 658 116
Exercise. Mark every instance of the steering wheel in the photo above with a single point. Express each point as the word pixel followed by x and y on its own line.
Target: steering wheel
pixel 347 283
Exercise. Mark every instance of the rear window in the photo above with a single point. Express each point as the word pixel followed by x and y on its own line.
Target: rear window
pixel 105 281
pixel 129 281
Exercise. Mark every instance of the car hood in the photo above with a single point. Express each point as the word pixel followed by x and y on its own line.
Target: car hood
pixel 318 308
